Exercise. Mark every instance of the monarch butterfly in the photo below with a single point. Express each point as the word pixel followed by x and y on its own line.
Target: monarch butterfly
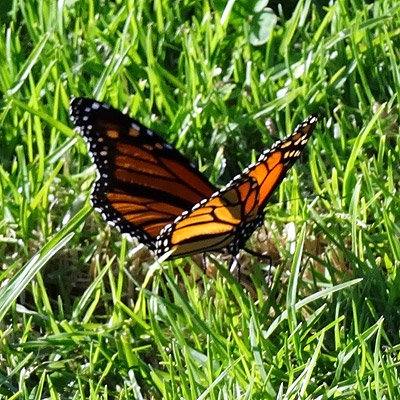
pixel 146 188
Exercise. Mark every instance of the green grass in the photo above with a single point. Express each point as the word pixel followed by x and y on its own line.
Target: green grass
pixel 87 314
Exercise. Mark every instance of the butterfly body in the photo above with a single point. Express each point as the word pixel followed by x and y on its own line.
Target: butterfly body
pixel 146 188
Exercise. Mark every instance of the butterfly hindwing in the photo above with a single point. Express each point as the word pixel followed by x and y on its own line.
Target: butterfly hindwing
pixel 213 223
pixel 143 182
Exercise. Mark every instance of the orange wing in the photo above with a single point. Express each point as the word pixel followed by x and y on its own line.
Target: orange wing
pixel 143 182
pixel 214 222
pixel 229 217
pixel 273 164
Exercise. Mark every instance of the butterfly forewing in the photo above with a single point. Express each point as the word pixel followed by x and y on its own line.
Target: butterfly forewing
pixel 274 163
pixel 229 217
pixel 143 182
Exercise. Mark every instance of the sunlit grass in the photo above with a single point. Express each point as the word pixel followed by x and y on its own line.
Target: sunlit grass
pixel 88 314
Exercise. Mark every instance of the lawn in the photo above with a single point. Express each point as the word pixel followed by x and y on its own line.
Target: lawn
pixel 88 313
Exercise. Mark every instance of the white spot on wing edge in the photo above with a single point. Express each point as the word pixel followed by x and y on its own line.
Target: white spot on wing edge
pixel 135 126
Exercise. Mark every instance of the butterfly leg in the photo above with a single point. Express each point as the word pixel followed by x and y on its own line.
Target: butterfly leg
pixel 204 266
pixel 264 257
pixel 234 260
pixel 204 263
